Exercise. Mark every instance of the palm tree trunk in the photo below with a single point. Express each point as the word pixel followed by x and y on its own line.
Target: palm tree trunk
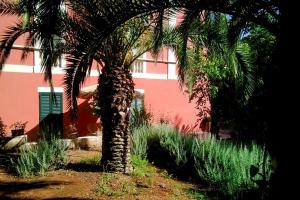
pixel 116 90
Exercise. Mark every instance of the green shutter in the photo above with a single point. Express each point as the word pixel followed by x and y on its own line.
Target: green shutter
pixel 49 105
pixel 51 117
pixel 44 105
pixel 56 105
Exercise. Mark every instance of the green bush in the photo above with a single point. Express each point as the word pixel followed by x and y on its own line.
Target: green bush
pixel 177 145
pixel 141 166
pixel 139 143
pixel 140 117
pixel 41 158
pixel 227 165
pixel 223 164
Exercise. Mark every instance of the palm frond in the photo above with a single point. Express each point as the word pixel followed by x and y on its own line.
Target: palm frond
pixel 49 18
pixel 139 39
pixel 189 16
pixel 9 7
pixel 8 39
pixel 171 37
pixel 50 52
pixel 236 26
pixel 247 71
pixel 29 43
pixel 76 73
pixel 158 32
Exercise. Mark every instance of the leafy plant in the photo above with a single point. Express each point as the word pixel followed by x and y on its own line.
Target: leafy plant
pixel 226 165
pixel 41 158
pixel 195 194
pixel 164 173
pixel 222 164
pixel 139 143
pixel 141 166
pixel 114 185
pixel 261 178
pixel 18 125
pixel 91 161
pixel 140 117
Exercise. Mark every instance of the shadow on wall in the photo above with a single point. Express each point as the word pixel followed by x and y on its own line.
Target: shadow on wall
pixel 177 122
pixel 201 128
pixel 85 124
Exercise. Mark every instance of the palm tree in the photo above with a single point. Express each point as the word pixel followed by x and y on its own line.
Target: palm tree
pixel 115 54
pixel 77 36
pixel 209 61
pixel 224 63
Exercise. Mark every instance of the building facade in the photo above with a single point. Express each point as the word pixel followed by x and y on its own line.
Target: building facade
pixel 26 97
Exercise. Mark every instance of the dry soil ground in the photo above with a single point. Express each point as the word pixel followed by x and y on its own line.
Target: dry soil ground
pixel 81 181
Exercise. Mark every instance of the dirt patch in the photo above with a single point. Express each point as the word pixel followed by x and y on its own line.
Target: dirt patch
pixel 84 183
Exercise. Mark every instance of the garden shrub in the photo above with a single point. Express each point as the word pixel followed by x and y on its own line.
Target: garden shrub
pixel 139 144
pixel 140 117
pixel 141 166
pixel 46 155
pixel 224 165
pixel 227 166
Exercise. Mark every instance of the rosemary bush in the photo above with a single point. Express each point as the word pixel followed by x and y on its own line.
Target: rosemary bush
pixel 224 165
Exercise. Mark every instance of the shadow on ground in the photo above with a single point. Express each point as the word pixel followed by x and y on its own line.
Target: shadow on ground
pixel 9 189
pixel 83 167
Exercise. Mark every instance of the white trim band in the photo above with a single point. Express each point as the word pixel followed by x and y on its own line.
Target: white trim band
pixel 17 68
pixel 140 90
pixel 150 76
pixel 47 89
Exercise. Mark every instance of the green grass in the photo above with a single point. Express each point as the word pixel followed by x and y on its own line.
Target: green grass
pixel 164 173
pixel 103 187
pixel 114 185
pixel 91 161
pixel 141 167
pixel 195 194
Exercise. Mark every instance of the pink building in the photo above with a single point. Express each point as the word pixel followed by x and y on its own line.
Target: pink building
pixel 25 95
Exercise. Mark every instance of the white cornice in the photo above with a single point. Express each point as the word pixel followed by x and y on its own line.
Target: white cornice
pixel 94 73
pixel 48 89
pixel 17 68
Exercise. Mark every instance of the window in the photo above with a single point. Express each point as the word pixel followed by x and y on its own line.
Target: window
pixel 50 113
pixel 57 43
pixel 137 66
pixel 137 104
pixel 59 62
pixel 138 101
pixel 50 104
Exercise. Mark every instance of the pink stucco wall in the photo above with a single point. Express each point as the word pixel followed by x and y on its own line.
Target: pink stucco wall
pixel 19 101
pixel 16 55
pixel 166 100
pixel 19 96
pixel 9 21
